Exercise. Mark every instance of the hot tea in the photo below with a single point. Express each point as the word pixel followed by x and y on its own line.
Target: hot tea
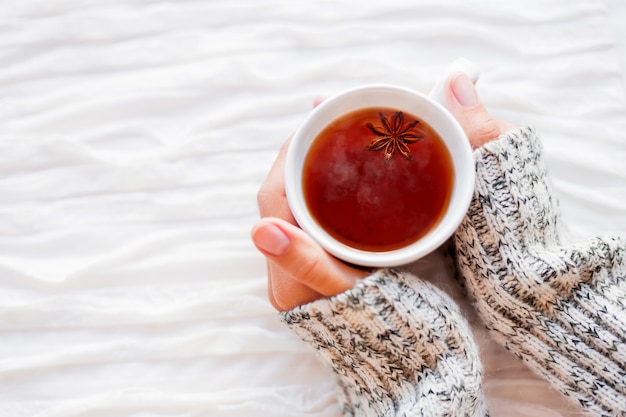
pixel 378 179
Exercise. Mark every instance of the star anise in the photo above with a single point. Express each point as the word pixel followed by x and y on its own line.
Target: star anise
pixel 393 136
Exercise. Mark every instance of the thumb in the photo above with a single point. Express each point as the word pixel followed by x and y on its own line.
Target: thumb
pixel 296 254
pixel 463 102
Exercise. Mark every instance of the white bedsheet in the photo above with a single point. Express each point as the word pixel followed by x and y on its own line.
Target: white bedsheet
pixel 135 133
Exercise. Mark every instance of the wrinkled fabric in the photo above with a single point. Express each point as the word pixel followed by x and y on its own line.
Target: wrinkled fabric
pixel 134 135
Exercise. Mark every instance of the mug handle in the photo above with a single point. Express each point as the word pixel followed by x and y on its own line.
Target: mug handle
pixel 459 65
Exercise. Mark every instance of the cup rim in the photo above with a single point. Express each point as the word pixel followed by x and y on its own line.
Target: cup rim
pixel 305 134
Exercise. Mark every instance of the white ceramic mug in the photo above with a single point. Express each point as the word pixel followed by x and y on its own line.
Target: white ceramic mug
pixel 430 109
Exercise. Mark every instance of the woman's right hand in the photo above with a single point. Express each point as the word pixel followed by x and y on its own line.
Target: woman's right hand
pixel 463 102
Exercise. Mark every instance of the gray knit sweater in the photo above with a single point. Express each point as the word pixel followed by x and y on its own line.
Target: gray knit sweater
pixel 400 347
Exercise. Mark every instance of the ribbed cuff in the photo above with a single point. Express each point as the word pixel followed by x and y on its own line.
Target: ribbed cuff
pixel 552 303
pixel 395 342
pixel 512 184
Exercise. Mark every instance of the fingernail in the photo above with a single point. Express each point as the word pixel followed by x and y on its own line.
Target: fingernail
pixel 271 239
pixel 464 90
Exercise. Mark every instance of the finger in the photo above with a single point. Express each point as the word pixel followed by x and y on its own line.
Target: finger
pixel 300 257
pixel 271 197
pixel 284 292
pixel 463 102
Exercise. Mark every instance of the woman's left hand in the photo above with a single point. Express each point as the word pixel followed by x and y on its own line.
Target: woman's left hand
pixel 299 269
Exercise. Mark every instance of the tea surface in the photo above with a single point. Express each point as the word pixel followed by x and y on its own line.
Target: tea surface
pixel 373 187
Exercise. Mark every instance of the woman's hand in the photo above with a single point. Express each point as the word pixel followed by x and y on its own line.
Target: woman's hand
pixel 463 102
pixel 301 271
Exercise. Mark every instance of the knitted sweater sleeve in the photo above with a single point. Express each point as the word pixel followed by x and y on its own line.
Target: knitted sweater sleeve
pixel 398 347
pixel 558 305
